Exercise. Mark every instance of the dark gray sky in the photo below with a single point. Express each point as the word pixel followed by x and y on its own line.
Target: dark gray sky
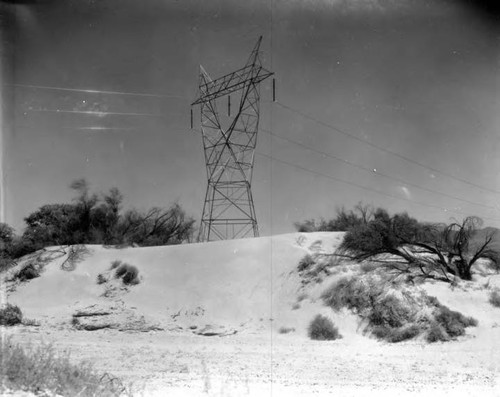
pixel 417 78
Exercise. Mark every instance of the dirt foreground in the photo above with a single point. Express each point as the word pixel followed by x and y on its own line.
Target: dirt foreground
pixel 162 363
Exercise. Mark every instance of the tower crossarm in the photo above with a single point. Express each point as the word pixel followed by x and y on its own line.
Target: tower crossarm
pixel 250 74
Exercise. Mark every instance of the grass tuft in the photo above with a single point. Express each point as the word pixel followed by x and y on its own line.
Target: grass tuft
pixel 40 370
pixel 286 330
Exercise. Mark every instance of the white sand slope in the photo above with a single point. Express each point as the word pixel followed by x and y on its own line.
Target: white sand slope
pixel 240 284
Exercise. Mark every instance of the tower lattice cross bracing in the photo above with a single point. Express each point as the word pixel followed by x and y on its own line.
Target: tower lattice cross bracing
pixel 229 141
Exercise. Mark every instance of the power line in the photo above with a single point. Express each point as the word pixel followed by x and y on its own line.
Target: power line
pixel 365 187
pixel 91 91
pixel 383 149
pixel 373 171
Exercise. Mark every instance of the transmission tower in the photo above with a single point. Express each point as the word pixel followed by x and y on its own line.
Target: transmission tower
pixel 229 144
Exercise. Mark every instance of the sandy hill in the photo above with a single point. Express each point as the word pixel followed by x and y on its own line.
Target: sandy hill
pixel 221 287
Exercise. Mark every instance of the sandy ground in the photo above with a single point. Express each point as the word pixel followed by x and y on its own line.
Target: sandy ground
pixel 245 291
pixel 161 363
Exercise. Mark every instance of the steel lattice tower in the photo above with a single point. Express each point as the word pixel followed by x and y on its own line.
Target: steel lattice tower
pixel 229 145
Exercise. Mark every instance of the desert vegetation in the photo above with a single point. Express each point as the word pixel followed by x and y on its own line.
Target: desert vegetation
pixel 395 313
pixel 42 372
pixel 10 315
pixel 322 328
pixel 93 218
pixel 406 247
pixel 129 274
pixel 286 330
pixel 343 221
pixel 429 251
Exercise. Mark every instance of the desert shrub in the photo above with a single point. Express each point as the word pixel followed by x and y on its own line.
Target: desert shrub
pixel 28 272
pixel 115 264
pixel 391 312
pixel 495 298
pixel 453 322
pixel 296 306
pixel 10 315
pixel 322 328
pixel 286 330
pixel 347 292
pixel 40 369
pixel 436 333
pixel 391 318
pixel 306 262
pixel 128 273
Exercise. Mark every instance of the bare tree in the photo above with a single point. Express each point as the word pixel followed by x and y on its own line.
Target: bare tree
pixel 158 226
pixel 403 246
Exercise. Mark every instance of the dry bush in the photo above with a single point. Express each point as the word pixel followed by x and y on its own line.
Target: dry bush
pixel 128 273
pixel 347 292
pixel 286 330
pixel 322 328
pixel 10 315
pixel 41 370
pixel 396 318
pixel 453 322
pixel 28 272
pixel 495 298
pixel 436 333
pixel 390 311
